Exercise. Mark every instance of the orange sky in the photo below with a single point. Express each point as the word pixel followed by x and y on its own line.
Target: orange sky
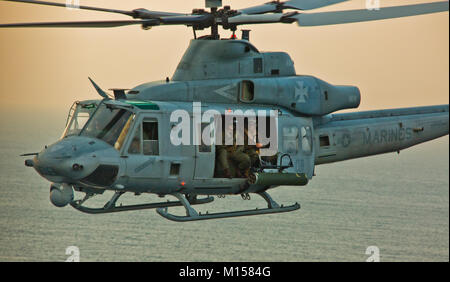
pixel 395 63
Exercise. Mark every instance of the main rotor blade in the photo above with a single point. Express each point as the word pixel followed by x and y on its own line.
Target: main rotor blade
pixel 353 16
pixel 128 13
pixel 187 20
pixel 261 19
pixel 176 20
pixel 146 14
pixel 88 24
pixel 272 7
pixel 254 19
pixel 309 4
pixel 137 13
pixel 260 9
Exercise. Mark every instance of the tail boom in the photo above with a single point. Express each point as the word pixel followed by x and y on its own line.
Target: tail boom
pixel 346 136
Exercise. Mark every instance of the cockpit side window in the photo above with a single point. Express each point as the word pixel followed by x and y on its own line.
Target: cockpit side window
pixel 120 140
pixel 135 145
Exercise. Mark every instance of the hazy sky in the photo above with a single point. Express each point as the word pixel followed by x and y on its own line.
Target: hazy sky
pixel 395 63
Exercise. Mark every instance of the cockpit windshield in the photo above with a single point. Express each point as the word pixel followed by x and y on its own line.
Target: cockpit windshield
pixel 79 114
pixel 110 124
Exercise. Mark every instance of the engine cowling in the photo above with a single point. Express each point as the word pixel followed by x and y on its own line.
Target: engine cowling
pixel 315 97
pixel 306 95
pixel 336 97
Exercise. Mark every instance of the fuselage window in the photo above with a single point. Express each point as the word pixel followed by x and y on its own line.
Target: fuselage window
pixel 150 138
pixel 290 140
pixel 306 139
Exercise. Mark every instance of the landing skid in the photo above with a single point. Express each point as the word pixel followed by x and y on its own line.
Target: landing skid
pixel 193 215
pixel 111 205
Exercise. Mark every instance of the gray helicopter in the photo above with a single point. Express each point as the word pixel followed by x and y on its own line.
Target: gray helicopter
pixel 230 121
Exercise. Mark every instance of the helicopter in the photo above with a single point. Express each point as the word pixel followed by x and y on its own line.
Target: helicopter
pixel 165 137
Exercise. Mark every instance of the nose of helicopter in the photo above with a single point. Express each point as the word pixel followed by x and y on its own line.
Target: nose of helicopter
pixel 71 159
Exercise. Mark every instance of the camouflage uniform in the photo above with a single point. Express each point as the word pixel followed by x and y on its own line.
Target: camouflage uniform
pixel 222 165
pixel 240 161
pixel 251 150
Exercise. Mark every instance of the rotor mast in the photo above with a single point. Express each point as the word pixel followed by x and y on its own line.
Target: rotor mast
pixel 214 5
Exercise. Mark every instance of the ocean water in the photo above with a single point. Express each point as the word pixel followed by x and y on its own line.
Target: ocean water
pixel 398 203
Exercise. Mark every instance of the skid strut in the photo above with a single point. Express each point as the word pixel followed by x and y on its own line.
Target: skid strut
pixel 193 215
pixel 110 206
